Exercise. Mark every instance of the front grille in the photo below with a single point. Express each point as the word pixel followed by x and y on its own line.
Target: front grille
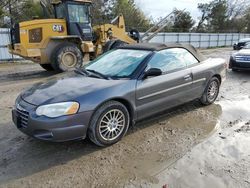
pixel 23 117
pixel 243 59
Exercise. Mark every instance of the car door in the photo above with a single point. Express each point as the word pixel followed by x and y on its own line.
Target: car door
pixel 200 72
pixel 173 87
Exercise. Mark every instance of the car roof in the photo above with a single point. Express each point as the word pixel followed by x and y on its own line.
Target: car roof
pixel 162 46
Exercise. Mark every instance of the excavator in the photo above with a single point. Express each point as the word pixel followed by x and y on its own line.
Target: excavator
pixel 68 40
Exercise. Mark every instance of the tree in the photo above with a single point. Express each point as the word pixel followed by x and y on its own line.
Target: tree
pixel 134 17
pixel 206 11
pixel 214 16
pixel 237 8
pixel 182 21
pixel 247 18
pixel 218 16
pixel 21 10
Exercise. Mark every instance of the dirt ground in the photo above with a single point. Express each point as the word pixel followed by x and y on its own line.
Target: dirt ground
pixel 189 146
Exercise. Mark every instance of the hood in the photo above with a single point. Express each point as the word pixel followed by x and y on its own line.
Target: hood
pixel 65 87
pixel 243 52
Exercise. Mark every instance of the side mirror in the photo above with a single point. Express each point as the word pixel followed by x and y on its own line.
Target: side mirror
pixel 152 72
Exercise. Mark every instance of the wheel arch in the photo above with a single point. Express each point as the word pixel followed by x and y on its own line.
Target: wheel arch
pixel 129 106
pixel 218 77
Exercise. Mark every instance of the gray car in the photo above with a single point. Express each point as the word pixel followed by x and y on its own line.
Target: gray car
pixel 111 93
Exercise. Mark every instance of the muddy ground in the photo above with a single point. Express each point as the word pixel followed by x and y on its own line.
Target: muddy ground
pixel 189 146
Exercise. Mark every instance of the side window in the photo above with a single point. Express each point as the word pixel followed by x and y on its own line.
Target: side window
pixel 189 58
pixel 172 59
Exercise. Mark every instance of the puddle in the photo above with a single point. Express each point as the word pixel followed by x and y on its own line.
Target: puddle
pixel 221 160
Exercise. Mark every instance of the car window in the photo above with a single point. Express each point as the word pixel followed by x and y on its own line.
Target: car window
pixel 172 59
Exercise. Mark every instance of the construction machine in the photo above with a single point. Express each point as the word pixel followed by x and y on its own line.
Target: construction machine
pixel 68 40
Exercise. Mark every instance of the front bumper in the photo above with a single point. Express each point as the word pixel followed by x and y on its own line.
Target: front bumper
pixel 239 65
pixel 50 129
pixel 30 54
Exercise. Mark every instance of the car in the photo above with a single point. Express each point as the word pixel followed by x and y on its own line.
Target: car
pixel 105 97
pixel 241 59
pixel 242 42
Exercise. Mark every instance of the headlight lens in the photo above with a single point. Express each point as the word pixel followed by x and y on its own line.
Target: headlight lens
pixel 58 109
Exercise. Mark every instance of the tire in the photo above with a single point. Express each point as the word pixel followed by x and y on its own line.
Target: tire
pixel 110 45
pixel 102 131
pixel 234 70
pixel 210 95
pixel 47 67
pixel 107 46
pixel 67 57
pixel 117 44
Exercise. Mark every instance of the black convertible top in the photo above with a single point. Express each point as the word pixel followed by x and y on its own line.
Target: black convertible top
pixel 162 46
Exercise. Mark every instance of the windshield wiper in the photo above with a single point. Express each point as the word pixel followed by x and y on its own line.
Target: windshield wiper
pixel 81 71
pixel 100 75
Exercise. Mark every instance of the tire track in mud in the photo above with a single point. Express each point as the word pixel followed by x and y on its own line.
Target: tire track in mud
pixel 25 76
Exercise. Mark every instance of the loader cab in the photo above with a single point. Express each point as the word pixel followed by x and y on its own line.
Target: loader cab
pixel 77 16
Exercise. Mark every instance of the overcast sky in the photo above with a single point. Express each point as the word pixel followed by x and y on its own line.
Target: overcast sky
pixel 160 8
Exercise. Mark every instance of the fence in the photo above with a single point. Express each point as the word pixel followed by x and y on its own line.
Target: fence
pixel 4 41
pixel 198 40
pixel 201 40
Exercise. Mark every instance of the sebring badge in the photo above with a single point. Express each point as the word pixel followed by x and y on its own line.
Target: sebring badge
pixel 18 106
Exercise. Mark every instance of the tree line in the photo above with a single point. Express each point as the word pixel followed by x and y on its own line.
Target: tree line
pixel 215 16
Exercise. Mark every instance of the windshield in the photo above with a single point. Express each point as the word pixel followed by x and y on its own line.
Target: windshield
pixel 78 13
pixel 119 63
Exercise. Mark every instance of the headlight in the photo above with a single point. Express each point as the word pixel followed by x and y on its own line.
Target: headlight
pixel 35 35
pixel 58 109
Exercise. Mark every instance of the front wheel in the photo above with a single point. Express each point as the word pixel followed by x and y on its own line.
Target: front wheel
pixel 109 123
pixel 67 57
pixel 211 92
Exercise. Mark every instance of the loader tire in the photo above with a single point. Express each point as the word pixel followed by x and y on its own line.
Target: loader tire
pixel 113 44
pixel 67 57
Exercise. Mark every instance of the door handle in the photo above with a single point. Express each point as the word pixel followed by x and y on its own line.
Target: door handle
pixel 187 77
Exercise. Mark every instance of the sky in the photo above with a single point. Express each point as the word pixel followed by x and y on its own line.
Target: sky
pixel 160 8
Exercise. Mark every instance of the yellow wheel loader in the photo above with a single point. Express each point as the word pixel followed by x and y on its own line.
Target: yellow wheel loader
pixel 68 40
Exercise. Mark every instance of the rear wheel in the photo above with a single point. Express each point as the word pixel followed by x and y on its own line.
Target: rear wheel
pixel 211 92
pixel 67 57
pixel 109 123
pixel 110 45
pixel 47 67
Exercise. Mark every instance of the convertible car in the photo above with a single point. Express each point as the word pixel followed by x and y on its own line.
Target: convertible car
pixel 105 97
pixel 241 59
